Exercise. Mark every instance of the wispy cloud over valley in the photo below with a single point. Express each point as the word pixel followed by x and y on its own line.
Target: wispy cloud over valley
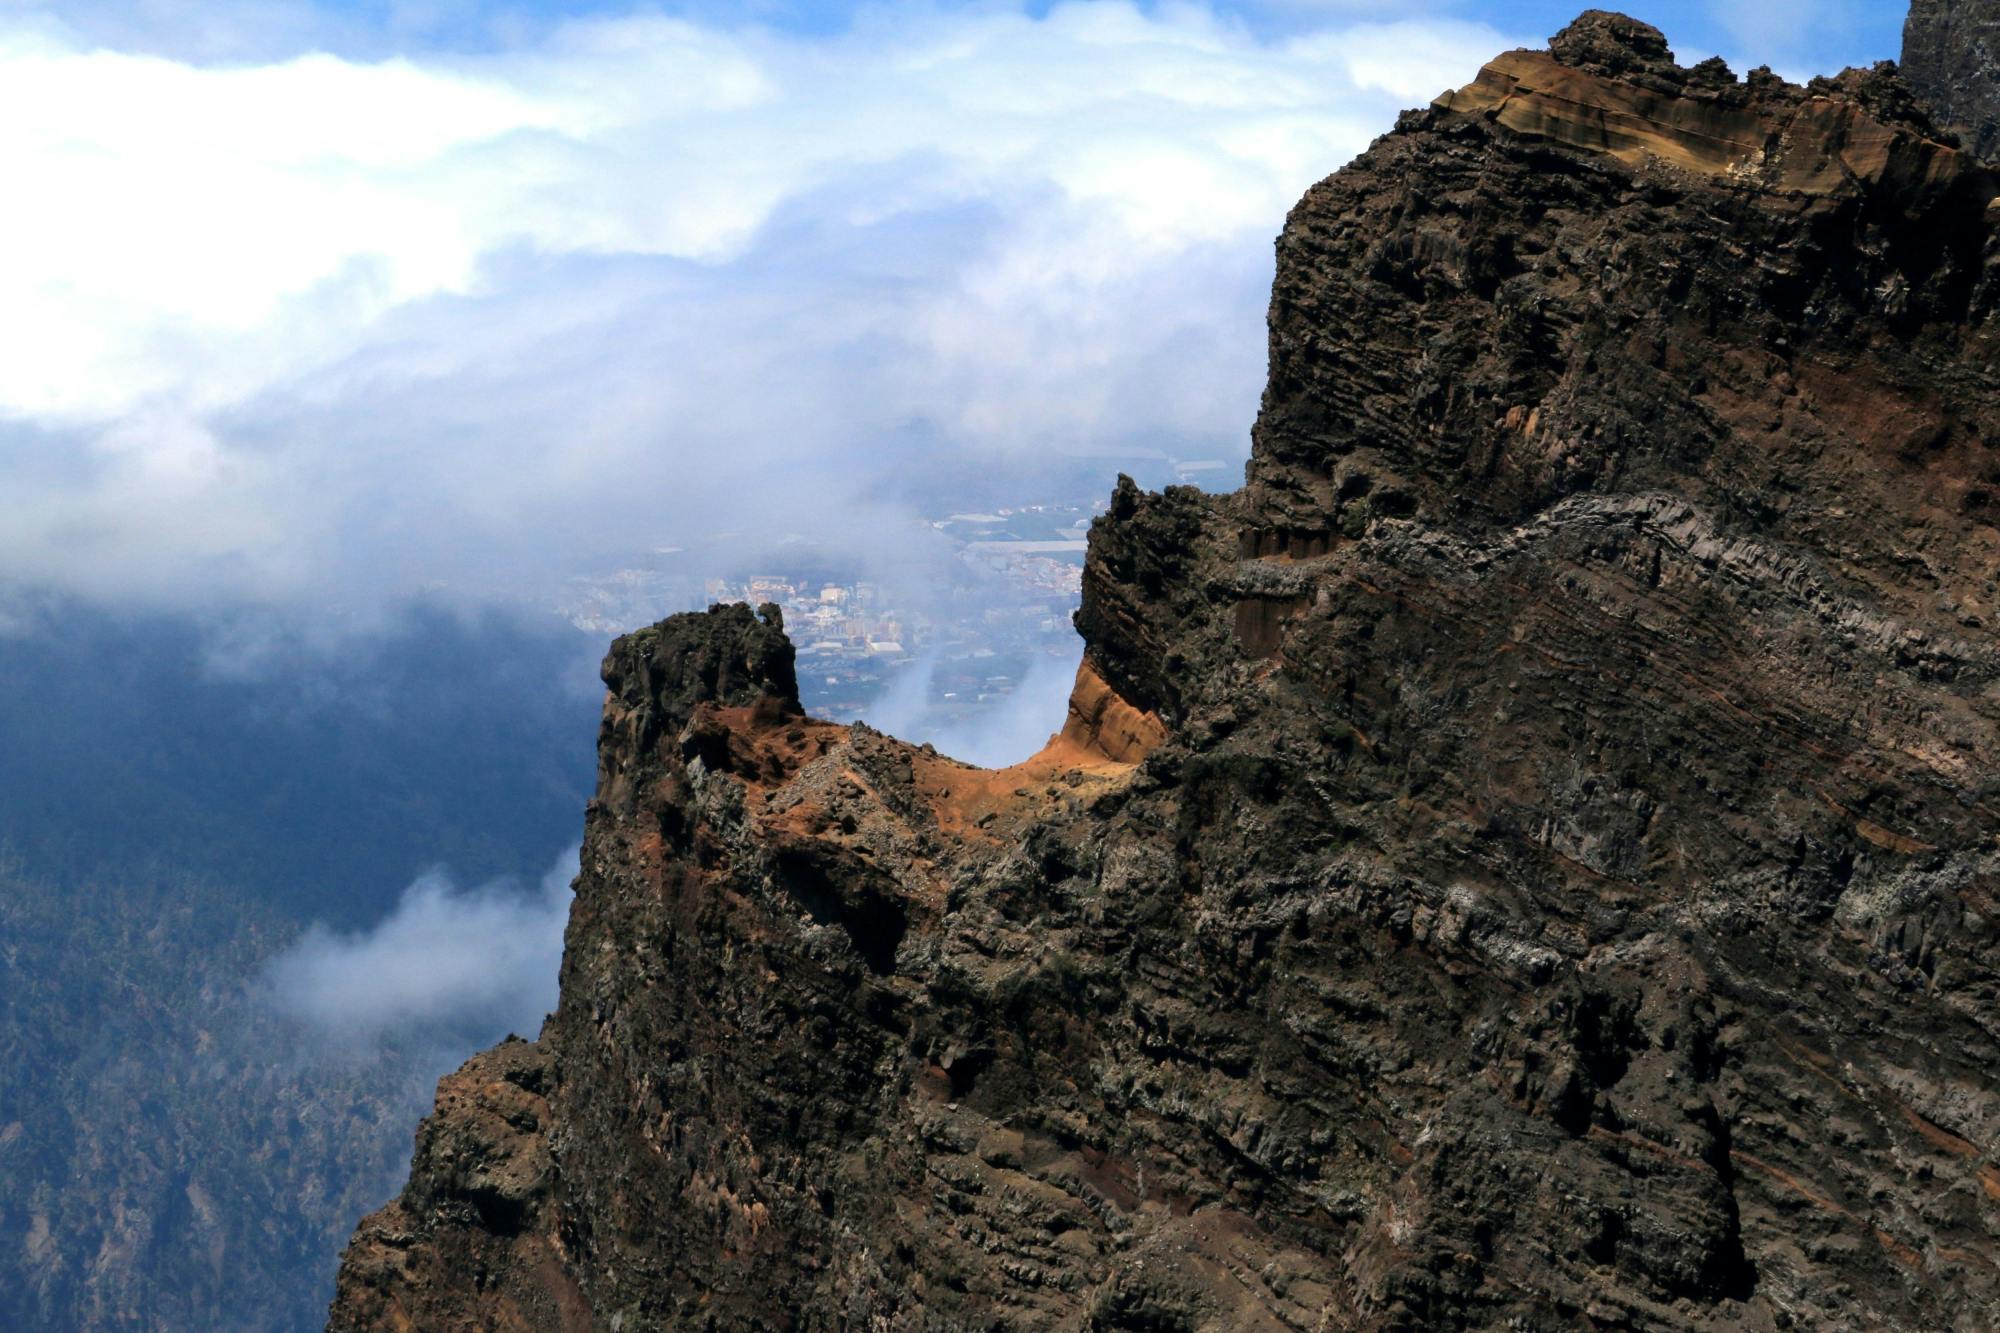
pixel 446 962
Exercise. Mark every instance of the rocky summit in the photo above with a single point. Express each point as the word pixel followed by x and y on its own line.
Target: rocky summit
pixel 1530 859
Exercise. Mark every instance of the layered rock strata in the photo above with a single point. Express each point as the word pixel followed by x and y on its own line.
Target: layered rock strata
pixel 1530 859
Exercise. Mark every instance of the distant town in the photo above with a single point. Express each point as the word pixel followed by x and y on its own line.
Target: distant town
pixel 974 629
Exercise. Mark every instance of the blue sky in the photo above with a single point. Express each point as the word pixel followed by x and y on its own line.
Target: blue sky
pixel 312 302
pixel 1800 35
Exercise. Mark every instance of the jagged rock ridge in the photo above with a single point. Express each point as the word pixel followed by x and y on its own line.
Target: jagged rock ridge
pixel 1526 860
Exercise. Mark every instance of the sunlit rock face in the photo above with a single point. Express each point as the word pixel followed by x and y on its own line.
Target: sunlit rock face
pixel 1951 57
pixel 1526 860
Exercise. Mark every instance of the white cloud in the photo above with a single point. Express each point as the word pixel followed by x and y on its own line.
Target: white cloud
pixel 446 962
pixel 306 326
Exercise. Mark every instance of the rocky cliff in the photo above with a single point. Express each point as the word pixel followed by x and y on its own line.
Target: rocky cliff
pixel 1951 56
pixel 1529 859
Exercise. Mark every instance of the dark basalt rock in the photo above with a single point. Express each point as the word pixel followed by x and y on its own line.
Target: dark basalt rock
pixel 1612 44
pixel 1547 874
pixel 1951 56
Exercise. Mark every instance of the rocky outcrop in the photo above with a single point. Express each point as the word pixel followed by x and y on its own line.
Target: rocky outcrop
pixel 1609 87
pixel 1529 859
pixel 1951 56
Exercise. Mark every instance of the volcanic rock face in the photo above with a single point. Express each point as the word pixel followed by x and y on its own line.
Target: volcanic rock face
pixel 1951 56
pixel 1527 860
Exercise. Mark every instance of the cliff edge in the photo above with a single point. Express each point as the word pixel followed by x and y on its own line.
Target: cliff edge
pixel 1529 859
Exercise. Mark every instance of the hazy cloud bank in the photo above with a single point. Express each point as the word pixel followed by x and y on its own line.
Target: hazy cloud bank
pixel 490 295
pixel 335 328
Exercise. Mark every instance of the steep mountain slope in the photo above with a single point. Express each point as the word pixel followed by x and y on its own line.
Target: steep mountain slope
pixel 1526 860
pixel 1951 56
pixel 176 1153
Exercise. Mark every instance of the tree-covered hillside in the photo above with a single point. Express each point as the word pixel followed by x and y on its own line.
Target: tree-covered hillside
pixel 177 803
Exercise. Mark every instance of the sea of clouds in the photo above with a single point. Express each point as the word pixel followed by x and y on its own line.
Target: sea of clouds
pixel 332 327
